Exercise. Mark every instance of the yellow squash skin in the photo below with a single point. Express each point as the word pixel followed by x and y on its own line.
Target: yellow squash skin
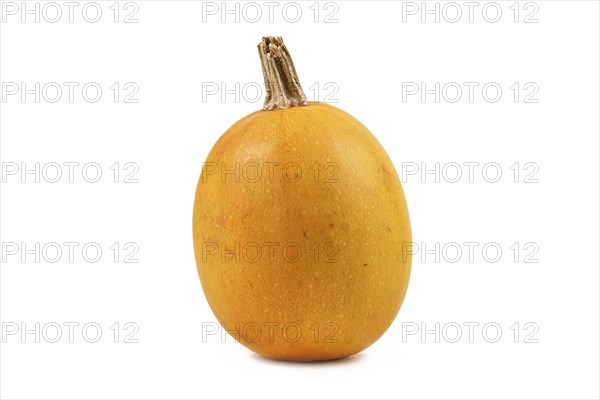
pixel 327 188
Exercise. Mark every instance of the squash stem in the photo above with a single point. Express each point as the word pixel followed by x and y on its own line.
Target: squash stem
pixel 281 80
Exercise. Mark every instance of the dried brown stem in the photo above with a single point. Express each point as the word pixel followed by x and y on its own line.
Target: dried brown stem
pixel 281 80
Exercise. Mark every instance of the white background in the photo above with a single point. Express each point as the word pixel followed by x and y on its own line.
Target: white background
pixel 370 57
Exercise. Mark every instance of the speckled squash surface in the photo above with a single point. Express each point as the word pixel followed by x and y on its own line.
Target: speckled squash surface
pixel 300 225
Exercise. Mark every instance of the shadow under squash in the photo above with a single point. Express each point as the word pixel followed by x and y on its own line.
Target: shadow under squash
pixel 310 364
